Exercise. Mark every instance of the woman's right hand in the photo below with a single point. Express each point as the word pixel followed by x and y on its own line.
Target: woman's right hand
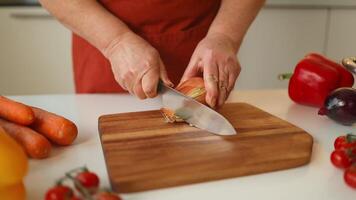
pixel 136 65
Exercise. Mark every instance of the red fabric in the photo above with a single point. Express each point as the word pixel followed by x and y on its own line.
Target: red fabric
pixel 173 27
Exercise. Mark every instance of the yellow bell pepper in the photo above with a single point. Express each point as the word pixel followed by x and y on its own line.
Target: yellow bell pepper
pixel 13 192
pixel 13 168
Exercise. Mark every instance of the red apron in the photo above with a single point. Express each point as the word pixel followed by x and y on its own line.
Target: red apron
pixel 173 27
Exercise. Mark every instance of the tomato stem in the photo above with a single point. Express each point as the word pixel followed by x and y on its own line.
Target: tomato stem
pixel 80 187
pixel 61 180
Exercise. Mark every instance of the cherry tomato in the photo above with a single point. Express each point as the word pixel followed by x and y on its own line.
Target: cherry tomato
pixel 350 176
pixel 342 143
pixel 107 196
pixel 59 192
pixel 340 159
pixel 89 180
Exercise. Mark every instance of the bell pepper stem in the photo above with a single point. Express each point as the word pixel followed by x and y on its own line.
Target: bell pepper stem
pixel 285 76
pixel 350 137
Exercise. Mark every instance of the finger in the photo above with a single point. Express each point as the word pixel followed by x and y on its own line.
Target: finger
pixel 164 75
pixel 192 69
pixel 138 90
pixel 223 82
pixel 120 82
pixel 233 75
pixel 150 82
pixel 128 82
pixel 211 75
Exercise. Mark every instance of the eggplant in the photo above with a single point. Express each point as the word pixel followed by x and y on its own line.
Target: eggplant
pixel 340 106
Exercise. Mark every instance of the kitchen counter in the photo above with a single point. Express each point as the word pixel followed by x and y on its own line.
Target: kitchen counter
pixel 317 180
pixel 312 3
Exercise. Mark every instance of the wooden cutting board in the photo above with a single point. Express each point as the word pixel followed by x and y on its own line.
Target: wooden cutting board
pixel 143 152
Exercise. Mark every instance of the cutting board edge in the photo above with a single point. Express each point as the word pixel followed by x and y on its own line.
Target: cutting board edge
pixel 115 186
pixel 291 165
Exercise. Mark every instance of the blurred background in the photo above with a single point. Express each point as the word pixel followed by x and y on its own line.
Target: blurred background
pixel 35 49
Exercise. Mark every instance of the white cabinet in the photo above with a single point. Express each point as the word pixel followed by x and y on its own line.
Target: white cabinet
pixel 342 38
pixel 276 41
pixel 35 53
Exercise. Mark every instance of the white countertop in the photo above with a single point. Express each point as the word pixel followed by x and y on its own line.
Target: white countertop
pixel 312 3
pixel 317 180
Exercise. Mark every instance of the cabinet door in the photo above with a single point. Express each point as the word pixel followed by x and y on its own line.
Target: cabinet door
pixel 276 41
pixel 341 37
pixel 341 41
pixel 35 53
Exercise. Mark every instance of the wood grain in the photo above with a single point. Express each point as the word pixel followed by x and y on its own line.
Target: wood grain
pixel 143 152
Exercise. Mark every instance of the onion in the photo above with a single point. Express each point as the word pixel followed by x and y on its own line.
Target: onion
pixel 194 88
pixel 340 105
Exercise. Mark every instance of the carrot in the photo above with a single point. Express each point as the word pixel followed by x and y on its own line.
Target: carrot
pixel 35 144
pixel 56 128
pixel 16 112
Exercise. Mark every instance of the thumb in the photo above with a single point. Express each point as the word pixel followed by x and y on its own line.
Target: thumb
pixel 163 74
pixel 191 71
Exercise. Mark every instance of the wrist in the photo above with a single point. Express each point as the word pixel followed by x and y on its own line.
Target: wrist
pixel 233 41
pixel 114 43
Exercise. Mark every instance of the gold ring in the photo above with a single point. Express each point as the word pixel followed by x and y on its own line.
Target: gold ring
pixel 222 85
pixel 213 78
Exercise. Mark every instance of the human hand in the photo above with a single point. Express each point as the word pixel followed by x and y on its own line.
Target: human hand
pixel 136 65
pixel 215 57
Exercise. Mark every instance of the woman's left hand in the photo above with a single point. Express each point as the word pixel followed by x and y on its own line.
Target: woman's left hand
pixel 216 57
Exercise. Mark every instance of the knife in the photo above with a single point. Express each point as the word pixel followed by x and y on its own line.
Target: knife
pixel 194 112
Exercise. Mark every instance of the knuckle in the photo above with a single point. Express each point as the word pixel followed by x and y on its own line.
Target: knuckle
pixel 238 70
pixel 152 57
pixel 231 59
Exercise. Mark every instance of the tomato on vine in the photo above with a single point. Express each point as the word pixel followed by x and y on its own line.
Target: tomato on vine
pixel 88 180
pixel 350 176
pixel 340 159
pixel 345 142
pixel 59 192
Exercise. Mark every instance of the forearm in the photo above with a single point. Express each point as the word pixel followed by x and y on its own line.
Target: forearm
pixel 88 19
pixel 234 18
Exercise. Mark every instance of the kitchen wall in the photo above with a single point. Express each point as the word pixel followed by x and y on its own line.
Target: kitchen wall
pixel 35 49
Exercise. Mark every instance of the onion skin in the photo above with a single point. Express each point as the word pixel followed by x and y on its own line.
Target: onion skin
pixel 340 106
pixel 194 88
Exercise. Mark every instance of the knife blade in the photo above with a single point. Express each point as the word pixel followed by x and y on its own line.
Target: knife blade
pixel 194 112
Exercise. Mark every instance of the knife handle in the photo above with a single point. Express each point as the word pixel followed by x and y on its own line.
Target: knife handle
pixel 160 86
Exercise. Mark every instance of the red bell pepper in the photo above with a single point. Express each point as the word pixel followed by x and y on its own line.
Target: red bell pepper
pixel 315 77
